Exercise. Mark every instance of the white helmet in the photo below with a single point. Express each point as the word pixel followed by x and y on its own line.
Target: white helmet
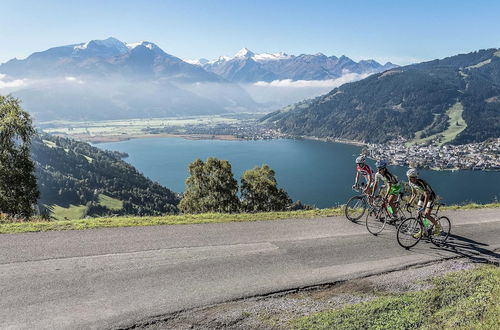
pixel 361 159
pixel 412 172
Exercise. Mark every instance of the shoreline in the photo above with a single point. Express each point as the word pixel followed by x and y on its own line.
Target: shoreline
pixel 330 140
pixel 97 139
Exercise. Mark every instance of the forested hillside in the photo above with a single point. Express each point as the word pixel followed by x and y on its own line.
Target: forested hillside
pixel 414 102
pixel 75 173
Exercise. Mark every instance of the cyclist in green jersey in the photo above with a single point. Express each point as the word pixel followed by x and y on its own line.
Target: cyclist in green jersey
pixel 392 184
pixel 426 201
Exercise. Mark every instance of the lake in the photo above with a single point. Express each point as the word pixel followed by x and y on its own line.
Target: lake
pixel 314 172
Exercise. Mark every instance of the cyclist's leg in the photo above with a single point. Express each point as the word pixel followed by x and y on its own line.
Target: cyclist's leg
pixel 428 210
pixel 393 194
pixel 390 202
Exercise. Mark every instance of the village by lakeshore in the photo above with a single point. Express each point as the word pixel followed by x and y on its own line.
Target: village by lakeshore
pixel 472 156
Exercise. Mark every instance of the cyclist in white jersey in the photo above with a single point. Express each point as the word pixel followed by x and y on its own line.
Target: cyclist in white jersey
pixel 363 169
pixel 392 184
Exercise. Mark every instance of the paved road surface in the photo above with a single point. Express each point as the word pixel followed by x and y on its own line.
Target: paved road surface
pixel 109 278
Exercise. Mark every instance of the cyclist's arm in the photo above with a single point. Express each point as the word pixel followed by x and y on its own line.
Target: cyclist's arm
pixel 368 184
pixel 413 196
pixel 357 178
pixel 388 189
pixel 374 187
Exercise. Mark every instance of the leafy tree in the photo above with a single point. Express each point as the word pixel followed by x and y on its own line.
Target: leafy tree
pixel 211 187
pixel 259 191
pixel 18 186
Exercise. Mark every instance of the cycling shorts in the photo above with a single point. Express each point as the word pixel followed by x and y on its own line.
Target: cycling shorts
pixel 395 189
pixel 430 203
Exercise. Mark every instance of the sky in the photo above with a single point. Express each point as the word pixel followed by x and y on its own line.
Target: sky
pixel 401 31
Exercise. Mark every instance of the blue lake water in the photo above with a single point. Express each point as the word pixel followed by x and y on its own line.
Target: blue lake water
pixel 313 172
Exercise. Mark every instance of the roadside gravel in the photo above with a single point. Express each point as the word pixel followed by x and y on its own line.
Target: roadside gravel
pixel 276 310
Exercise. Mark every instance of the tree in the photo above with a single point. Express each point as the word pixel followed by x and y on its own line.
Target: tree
pixel 210 187
pixel 18 186
pixel 259 191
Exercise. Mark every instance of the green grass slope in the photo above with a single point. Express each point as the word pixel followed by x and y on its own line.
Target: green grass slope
pixel 463 300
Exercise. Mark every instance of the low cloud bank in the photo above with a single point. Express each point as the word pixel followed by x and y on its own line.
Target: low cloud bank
pixel 330 83
pixel 11 84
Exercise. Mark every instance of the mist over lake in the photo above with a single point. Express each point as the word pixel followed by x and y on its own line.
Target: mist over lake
pixel 313 172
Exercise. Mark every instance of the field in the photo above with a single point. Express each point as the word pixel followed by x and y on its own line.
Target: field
pixel 68 213
pixel 74 212
pixel 87 130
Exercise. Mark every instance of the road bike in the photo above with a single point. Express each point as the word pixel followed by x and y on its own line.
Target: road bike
pixel 408 229
pixel 357 205
pixel 379 216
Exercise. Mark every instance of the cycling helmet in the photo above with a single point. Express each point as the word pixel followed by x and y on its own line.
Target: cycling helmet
pixel 361 159
pixel 381 164
pixel 412 172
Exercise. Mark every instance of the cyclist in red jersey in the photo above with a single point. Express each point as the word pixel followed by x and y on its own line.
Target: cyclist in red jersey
pixel 363 169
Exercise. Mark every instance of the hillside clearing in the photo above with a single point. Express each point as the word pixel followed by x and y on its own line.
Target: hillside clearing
pixel 456 124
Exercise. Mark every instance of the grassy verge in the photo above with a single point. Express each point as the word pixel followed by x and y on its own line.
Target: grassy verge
pixel 33 226
pixel 463 300
pixel 92 223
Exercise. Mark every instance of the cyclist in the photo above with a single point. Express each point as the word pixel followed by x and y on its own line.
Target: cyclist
pixel 392 184
pixel 426 201
pixel 363 169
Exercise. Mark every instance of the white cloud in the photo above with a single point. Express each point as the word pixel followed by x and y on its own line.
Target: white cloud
pixel 330 83
pixel 6 83
pixel 74 79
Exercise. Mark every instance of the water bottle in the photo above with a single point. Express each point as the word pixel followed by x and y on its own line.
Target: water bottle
pixel 426 222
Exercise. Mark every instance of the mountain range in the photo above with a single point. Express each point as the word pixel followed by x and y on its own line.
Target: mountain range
pixel 110 79
pixel 455 99
pixel 247 66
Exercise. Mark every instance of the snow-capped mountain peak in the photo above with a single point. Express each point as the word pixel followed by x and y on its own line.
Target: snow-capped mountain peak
pixel 147 44
pixel 244 53
pixel 270 57
pixel 110 45
pixel 199 62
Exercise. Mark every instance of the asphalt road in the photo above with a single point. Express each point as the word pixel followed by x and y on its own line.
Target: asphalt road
pixel 111 278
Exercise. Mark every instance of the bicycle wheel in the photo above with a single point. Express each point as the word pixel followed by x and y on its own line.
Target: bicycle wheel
pixel 376 220
pixel 407 231
pixel 440 239
pixel 355 208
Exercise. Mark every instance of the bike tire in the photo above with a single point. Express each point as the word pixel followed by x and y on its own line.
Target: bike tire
pixel 355 208
pixel 441 238
pixel 406 231
pixel 374 223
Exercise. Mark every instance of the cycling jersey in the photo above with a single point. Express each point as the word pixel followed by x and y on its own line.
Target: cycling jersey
pixel 365 171
pixel 421 186
pixel 391 181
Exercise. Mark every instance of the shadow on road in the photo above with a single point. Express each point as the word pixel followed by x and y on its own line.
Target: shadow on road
pixel 466 247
